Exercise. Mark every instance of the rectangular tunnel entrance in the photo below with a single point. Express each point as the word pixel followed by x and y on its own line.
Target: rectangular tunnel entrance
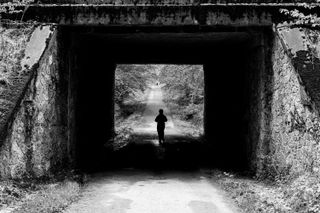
pixel 235 62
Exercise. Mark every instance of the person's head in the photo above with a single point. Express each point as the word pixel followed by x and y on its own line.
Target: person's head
pixel 160 111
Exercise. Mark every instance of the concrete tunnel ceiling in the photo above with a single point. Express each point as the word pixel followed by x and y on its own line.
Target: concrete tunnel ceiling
pixel 184 48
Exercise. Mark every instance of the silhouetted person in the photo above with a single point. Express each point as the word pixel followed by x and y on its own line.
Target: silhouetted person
pixel 161 120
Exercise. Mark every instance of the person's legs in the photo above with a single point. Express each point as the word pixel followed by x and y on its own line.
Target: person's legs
pixel 159 135
pixel 163 135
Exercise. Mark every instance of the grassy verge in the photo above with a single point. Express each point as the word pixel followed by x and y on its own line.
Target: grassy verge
pixel 50 198
pixel 34 197
pixel 300 195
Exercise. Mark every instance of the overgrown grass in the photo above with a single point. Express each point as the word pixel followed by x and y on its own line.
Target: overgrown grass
pixel 13 191
pixel 300 195
pixel 50 198
pixel 43 195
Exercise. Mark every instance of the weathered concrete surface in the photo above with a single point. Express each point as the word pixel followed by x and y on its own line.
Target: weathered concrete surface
pixel 284 100
pixel 148 15
pixel 172 2
pixel 13 43
pixel 36 46
pixel 34 143
pixel 294 144
pixel 159 14
pixel 303 46
pixel 21 49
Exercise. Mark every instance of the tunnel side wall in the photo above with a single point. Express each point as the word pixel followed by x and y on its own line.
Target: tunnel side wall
pixel 36 140
pixel 256 114
pixel 294 125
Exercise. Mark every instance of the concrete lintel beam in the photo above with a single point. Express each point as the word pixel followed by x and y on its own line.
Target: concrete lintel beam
pixel 163 15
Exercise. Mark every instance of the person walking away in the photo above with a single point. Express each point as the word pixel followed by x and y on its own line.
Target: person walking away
pixel 161 119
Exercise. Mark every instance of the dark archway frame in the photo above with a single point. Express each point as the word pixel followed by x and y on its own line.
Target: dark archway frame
pixel 236 64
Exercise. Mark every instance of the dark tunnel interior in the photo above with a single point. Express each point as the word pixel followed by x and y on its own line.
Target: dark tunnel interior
pixel 232 62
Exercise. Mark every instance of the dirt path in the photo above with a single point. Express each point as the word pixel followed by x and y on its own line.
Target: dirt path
pixel 154 103
pixel 132 191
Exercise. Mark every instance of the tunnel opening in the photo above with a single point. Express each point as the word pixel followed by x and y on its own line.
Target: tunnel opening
pixel 144 89
pixel 234 63
pixel 158 113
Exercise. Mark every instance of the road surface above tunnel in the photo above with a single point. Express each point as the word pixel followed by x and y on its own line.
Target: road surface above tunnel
pixel 133 191
pixel 154 103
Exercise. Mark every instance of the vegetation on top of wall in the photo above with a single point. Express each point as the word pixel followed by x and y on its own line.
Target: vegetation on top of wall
pixel 15 6
pixel 11 7
pixel 300 18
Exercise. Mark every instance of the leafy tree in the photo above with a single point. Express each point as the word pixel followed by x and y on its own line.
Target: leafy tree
pixel 184 87
pixel 131 80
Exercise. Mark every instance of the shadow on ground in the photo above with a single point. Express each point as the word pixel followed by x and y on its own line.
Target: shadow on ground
pixel 144 151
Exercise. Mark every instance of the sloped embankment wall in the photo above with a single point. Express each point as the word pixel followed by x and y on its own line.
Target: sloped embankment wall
pixel 295 123
pixel 33 122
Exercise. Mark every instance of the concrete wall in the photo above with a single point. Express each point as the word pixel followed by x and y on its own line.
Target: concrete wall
pixel 21 48
pixel 256 114
pixel 293 146
pixel 13 45
pixel 206 15
pixel 38 97
pixel 170 2
pixel 36 143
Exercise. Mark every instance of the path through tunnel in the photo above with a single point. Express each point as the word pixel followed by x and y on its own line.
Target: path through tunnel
pixel 234 60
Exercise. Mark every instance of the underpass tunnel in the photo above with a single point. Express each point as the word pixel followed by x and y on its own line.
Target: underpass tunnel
pixel 233 62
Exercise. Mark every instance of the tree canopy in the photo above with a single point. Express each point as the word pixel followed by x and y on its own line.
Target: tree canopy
pixel 132 79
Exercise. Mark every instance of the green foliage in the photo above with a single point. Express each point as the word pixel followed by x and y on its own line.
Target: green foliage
pixel 131 84
pixel 184 91
pixel 131 80
pixel 11 7
pixel 122 137
pixel 300 18
pixel 303 195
